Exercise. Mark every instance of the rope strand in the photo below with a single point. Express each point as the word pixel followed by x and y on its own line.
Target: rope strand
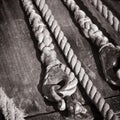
pixel 107 14
pixel 75 64
pixel 8 108
pixel 90 30
pixel 55 69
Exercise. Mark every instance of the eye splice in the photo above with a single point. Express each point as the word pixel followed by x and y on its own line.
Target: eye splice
pixel 59 81
pixel 72 59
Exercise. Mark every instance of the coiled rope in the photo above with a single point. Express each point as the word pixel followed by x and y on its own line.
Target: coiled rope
pixel 107 14
pixel 75 64
pixel 55 69
pixel 9 109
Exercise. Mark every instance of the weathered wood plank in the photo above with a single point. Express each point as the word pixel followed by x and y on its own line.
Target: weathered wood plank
pixel 19 65
pixel 52 116
pixel 58 116
pixel 20 69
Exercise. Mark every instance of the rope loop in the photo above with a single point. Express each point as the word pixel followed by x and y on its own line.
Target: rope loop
pixel 59 81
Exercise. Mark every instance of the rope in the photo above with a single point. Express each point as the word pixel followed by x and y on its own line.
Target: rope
pixel 90 30
pixel 107 14
pixel 55 71
pixel 62 41
pixel 8 108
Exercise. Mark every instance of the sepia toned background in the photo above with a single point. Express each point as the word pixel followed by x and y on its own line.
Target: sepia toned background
pixel 21 71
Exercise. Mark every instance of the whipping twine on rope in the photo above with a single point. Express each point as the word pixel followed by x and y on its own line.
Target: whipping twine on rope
pixel 90 30
pixel 107 14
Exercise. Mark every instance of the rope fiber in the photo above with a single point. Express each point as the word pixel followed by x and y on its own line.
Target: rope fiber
pixel 55 70
pixel 107 14
pixel 75 64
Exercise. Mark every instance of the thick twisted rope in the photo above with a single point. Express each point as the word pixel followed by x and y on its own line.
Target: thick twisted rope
pixel 9 109
pixel 90 30
pixel 49 57
pixel 84 79
pixel 107 14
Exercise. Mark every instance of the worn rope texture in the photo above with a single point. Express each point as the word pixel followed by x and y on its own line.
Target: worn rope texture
pixel 8 108
pixel 90 30
pixel 107 14
pixel 84 79
pixel 49 55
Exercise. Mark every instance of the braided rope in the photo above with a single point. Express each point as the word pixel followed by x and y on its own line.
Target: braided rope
pixel 107 14
pixel 87 84
pixel 49 57
pixel 8 108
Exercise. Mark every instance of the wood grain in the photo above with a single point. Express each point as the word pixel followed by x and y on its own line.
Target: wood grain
pixel 21 71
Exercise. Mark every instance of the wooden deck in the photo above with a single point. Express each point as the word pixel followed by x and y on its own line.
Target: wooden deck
pixel 21 71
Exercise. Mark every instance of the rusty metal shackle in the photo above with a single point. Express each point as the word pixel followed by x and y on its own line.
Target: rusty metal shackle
pixel 55 81
pixel 110 61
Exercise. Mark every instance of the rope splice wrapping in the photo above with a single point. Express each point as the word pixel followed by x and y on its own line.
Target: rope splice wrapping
pixel 107 14
pixel 79 71
pixel 8 108
pixel 56 72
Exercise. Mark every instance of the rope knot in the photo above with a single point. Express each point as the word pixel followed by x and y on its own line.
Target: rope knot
pixel 57 85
